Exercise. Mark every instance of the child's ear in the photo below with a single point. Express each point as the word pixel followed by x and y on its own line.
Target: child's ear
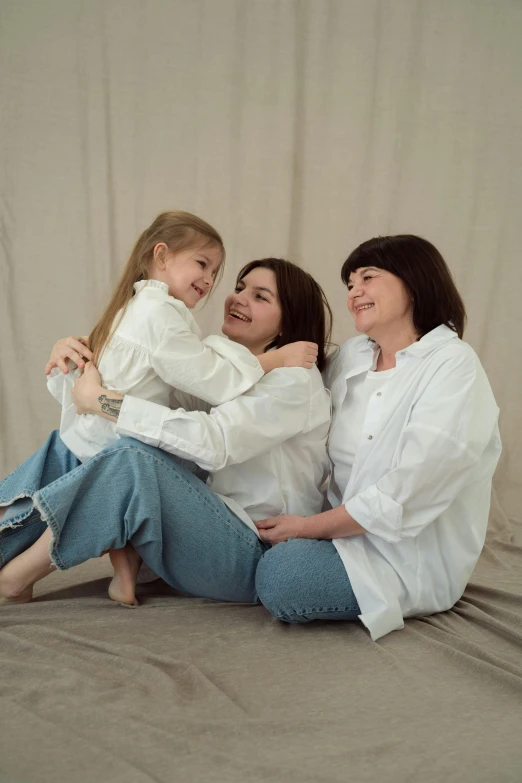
pixel 159 254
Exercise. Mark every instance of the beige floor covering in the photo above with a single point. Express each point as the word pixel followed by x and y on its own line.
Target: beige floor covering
pixel 184 689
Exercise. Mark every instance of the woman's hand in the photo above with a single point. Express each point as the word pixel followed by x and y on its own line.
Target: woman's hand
pixel 89 396
pixel 74 348
pixel 336 523
pixel 277 529
pixel 87 389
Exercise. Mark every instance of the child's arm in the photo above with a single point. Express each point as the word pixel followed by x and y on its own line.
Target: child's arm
pixel 299 354
pixel 215 370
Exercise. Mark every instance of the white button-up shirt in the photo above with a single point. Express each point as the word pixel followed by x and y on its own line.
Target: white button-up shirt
pixel 421 480
pixel 156 346
pixel 266 450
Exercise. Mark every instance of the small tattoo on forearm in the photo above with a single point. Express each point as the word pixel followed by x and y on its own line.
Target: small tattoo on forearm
pixel 110 406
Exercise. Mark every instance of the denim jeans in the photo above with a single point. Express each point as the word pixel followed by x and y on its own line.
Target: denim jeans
pixel 132 492
pixel 304 579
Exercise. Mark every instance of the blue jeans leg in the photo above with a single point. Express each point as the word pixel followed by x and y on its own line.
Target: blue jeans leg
pixel 49 463
pixel 304 579
pixel 131 492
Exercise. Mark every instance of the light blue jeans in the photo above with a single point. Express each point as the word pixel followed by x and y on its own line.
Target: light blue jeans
pixel 131 492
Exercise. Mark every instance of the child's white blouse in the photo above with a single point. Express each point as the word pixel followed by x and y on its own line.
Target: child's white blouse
pixel 156 347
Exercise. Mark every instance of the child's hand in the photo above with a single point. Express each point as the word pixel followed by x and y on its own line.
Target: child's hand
pixel 73 348
pixel 86 390
pixel 300 354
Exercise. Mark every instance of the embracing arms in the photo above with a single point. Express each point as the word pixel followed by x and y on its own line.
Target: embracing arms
pixel 280 406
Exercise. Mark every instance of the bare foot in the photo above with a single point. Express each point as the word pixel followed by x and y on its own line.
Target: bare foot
pixel 126 563
pixel 15 597
pixel 18 577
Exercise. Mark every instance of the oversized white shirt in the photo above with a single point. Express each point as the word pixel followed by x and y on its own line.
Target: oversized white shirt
pixel 156 346
pixel 266 450
pixel 421 480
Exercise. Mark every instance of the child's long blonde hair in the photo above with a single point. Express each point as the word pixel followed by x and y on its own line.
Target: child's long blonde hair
pixel 179 231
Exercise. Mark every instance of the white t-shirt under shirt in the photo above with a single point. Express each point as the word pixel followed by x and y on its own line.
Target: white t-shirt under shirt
pixel 347 426
pixel 156 347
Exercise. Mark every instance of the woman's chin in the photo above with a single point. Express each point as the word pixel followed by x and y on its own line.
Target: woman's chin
pixel 364 325
pixel 230 329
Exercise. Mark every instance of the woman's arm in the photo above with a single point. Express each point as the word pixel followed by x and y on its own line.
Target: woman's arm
pixel 276 409
pixel 89 396
pixel 336 523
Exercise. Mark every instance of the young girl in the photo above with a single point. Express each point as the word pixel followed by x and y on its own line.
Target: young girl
pixel 147 341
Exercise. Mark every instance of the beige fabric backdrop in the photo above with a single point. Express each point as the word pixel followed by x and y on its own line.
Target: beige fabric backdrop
pixel 299 128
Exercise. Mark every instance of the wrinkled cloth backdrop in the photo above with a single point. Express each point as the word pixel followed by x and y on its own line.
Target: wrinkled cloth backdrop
pixel 299 129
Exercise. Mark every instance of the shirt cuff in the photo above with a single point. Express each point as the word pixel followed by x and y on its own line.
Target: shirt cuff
pixel 378 513
pixel 141 419
pixel 60 385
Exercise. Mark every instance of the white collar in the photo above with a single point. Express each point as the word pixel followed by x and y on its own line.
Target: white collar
pixel 152 284
pixel 441 334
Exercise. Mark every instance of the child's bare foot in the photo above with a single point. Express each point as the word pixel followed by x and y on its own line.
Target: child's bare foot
pixel 126 563
pixel 18 577
pixel 12 591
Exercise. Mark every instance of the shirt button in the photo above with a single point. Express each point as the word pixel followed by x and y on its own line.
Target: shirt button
pixel 379 394
pixel 370 437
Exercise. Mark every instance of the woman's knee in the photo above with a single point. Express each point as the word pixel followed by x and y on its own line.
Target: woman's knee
pixel 303 580
pixel 283 575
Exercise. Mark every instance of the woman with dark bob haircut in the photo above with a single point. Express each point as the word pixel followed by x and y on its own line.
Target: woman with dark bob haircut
pixel 265 451
pixel 413 445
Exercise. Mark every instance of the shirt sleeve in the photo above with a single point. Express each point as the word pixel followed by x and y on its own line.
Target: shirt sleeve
pixel 214 369
pixel 60 385
pixel 275 410
pixel 450 427
pixel 179 399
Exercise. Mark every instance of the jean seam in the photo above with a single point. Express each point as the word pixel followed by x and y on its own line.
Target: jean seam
pixel 305 612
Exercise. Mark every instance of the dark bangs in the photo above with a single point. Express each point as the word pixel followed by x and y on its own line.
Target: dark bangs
pixel 423 271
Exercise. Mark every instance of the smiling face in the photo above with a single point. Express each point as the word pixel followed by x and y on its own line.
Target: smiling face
pixel 189 274
pixel 253 311
pixel 379 302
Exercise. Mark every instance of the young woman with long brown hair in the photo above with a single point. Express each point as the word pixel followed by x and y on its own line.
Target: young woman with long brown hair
pixel 265 451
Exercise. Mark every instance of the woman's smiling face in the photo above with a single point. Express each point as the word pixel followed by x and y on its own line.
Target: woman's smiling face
pixel 379 302
pixel 253 311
